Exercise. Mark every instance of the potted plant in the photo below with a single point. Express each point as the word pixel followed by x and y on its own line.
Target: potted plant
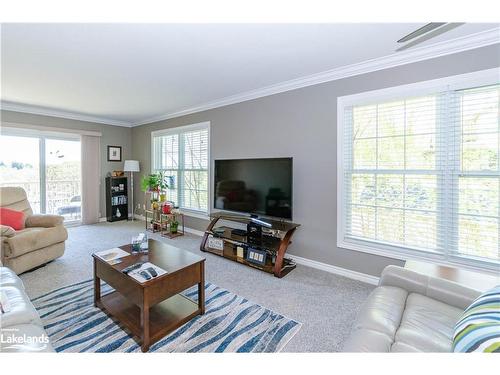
pixel 156 184
pixel 174 225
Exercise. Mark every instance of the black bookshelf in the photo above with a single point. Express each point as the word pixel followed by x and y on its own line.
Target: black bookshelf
pixel 116 198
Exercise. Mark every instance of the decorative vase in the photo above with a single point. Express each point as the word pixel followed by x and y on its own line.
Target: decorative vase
pixel 118 213
pixel 163 197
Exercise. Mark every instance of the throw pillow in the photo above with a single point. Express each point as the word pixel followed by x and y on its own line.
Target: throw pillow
pixel 12 218
pixel 479 328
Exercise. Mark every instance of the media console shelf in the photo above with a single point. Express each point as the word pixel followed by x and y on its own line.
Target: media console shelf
pixel 275 241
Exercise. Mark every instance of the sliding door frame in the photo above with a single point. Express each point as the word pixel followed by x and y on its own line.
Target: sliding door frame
pixel 42 137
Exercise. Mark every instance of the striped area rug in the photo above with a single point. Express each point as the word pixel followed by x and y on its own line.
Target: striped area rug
pixel 230 324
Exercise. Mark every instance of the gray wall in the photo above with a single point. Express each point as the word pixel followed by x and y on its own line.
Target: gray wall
pixel 111 135
pixel 302 124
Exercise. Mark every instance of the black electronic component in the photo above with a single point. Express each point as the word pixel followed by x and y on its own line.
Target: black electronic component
pixel 152 271
pixel 239 232
pixel 144 274
pixel 254 233
pixel 134 266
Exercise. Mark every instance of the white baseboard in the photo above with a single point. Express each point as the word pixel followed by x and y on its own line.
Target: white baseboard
pixel 194 231
pixel 102 219
pixel 369 279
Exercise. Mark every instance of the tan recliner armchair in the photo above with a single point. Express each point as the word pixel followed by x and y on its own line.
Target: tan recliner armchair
pixel 41 241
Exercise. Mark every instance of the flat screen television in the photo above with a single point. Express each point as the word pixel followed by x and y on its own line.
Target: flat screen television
pixel 254 186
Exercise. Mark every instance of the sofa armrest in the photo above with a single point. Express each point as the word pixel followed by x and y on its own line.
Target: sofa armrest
pixel 45 221
pixel 6 231
pixel 442 290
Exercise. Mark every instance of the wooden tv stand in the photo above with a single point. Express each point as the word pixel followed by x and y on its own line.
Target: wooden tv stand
pixel 276 246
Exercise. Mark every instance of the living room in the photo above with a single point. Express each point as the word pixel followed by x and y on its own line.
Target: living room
pixel 258 193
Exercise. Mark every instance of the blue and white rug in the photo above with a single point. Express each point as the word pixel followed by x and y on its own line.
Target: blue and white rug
pixel 231 324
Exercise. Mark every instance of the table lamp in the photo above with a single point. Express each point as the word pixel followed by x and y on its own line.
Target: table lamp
pixel 131 166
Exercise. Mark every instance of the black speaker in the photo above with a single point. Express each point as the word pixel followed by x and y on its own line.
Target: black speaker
pixel 254 233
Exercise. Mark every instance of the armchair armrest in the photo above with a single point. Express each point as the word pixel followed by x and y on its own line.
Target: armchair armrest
pixel 45 221
pixel 442 290
pixel 6 231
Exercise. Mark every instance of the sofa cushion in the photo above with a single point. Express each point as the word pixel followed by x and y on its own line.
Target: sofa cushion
pixel 368 340
pixel 30 239
pixel 382 311
pixel 12 218
pixel 478 330
pixel 9 278
pixel 25 338
pixel 21 311
pixel 378 321
pixel 427 324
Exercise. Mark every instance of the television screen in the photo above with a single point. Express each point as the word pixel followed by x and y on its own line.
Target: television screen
pixel 255 186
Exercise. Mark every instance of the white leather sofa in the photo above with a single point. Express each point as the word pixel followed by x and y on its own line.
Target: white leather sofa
pixel 21 329
pixel 409 312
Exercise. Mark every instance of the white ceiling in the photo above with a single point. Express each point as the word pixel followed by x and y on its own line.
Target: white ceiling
pixel 132 73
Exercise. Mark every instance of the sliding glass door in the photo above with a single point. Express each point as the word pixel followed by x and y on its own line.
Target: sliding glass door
pixel 20 166
pixel 62 178
pixel 48 168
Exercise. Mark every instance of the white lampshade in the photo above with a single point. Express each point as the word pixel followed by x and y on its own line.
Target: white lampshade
pixel 131 166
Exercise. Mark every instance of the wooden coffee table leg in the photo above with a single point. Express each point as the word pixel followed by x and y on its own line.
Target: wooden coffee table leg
pixel 97 287
pixel 145 327
pixel 201 289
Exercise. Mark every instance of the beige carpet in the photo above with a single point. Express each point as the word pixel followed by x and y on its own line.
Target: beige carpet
pixel 326 304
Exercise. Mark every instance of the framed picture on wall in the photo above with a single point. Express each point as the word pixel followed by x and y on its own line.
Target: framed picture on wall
pixel 114 153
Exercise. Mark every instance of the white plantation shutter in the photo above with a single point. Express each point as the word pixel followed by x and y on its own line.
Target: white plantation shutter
pixel 476 211
pixel 183 154
pixel 420 175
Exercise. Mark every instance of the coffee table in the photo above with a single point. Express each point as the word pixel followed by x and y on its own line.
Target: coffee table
pixel 152 309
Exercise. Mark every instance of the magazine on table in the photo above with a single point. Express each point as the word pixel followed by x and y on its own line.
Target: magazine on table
pixel 113 255
pixel 136 274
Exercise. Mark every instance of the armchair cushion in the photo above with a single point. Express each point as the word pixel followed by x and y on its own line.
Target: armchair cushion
pixel 45 221
pixel 12 218
pixel 6 231
pixel 30 239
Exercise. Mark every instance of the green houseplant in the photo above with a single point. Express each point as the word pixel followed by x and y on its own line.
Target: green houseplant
pixel 174 224
pixel 156 184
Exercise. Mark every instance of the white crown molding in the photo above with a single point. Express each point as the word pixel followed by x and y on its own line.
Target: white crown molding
pixel 448 47
pixel 35 110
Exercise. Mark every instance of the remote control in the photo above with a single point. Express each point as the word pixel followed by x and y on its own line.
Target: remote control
pixel 152 271
pixel 129 269
pixel 145 275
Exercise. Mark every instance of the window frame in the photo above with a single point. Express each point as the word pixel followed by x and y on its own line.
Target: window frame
pixel 450 83
pixel 202 214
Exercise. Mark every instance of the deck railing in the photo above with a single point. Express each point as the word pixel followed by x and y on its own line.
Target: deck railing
pixel 59 193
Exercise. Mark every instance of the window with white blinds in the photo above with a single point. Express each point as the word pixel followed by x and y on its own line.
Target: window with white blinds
pixel 419 172
pixel 182 153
